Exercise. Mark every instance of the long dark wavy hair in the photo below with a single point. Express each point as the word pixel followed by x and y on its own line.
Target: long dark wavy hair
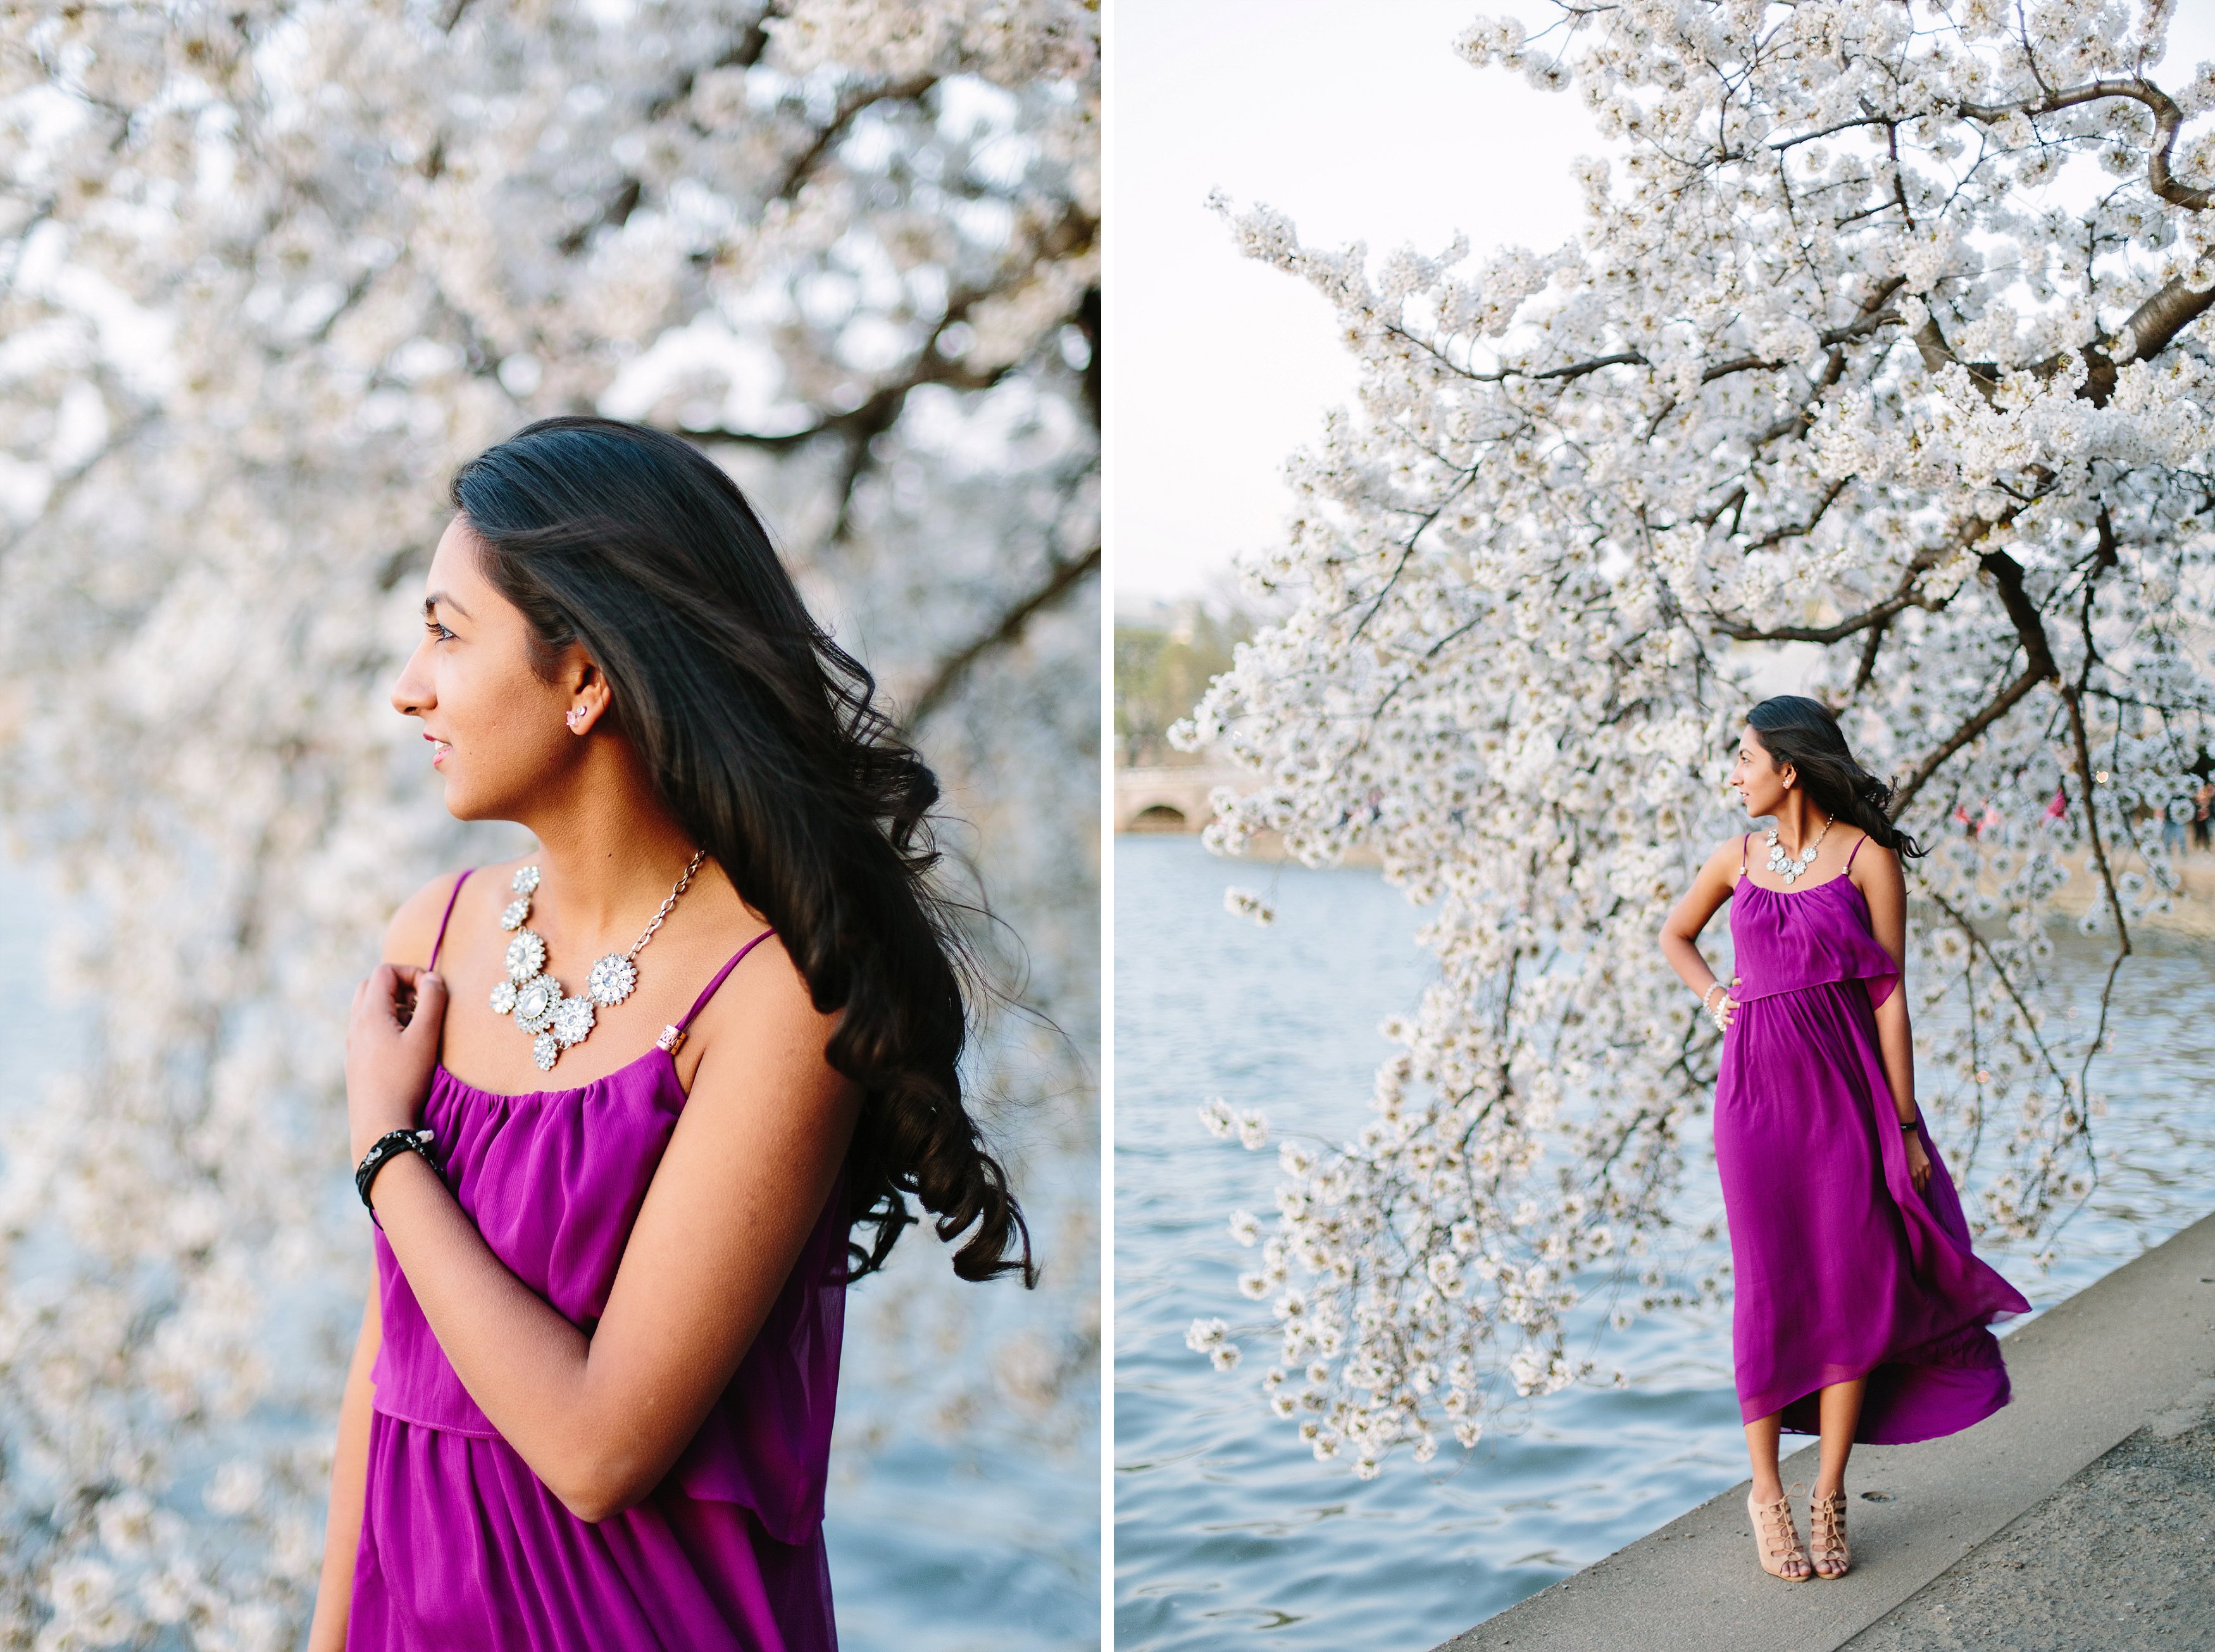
pixel 765 743
pixel 1801 732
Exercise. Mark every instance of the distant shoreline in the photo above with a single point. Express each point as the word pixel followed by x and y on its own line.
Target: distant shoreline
pixel 1171 799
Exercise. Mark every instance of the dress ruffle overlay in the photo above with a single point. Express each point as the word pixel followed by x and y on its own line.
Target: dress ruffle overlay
pixel 1843 1270
pixel 461 1546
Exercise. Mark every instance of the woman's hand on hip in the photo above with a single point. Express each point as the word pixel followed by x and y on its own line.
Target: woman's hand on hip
pixel 1918 1161
pixel 392 1044
pixel 1725 1009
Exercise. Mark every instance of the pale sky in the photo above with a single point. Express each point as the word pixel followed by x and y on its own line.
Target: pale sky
pixel 1360 122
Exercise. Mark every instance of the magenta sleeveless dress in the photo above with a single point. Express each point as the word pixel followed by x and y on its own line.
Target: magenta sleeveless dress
pixel 1843 1269
pixel 462 1546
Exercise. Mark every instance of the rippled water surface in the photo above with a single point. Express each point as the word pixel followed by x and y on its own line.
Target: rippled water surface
pixel 1228 1532
pixel 947 1533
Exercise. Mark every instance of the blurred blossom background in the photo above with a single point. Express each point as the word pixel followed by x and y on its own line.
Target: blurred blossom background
pixel 267 273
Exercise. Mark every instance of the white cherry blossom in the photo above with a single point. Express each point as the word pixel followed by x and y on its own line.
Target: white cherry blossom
pixel 1879 342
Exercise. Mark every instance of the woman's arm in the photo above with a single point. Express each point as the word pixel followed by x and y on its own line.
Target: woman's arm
pixel 1877 875
pixel 410 935
pixel 1680 931
pixel 349 1487
pixel 601 1418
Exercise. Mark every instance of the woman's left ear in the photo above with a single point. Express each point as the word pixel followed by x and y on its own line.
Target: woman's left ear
pixel 589 699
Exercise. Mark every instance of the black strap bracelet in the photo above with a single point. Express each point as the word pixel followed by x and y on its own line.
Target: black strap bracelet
pixel 386 1148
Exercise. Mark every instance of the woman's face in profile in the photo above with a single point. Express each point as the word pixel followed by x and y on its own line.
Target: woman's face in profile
pixel 495 727
pixel 1756 777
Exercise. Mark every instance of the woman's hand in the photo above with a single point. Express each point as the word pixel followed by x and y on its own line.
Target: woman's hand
pixel 1919 1160
pixel 1725 1006
pixel 392 1044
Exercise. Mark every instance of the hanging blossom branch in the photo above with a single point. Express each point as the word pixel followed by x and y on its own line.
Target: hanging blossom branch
pixel 1823 369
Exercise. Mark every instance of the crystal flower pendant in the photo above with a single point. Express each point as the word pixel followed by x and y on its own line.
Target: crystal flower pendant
pixel 537 1001
pixel 534 998
pixel 611 980
pixel 1789 867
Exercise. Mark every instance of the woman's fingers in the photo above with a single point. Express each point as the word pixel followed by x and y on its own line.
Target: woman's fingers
pixel 430 1006
pixel 397 992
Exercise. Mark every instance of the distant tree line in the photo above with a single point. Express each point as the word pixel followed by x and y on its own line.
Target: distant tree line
pixel 1161 668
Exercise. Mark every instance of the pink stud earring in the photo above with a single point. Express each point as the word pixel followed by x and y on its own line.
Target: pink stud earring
pixel 576 719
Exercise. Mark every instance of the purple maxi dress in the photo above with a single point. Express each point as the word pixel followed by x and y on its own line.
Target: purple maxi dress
pixel 461 1546
pixel 1843 1269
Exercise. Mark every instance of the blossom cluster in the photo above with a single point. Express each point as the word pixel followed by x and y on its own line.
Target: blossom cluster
pixel 1875 364
pixel 268 273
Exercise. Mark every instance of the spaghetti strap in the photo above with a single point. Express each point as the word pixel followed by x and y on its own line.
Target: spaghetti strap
pixel 1854 851
pixel 709 992
pixel 446 916
pixel 1742 842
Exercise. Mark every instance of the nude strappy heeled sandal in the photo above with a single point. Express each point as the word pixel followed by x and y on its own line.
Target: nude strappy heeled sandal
pixel 1776 1539
pixel 1827 1535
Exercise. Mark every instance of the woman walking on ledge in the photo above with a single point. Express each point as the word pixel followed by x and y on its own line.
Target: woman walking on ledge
pixel 1861 1311
pixel 590 1409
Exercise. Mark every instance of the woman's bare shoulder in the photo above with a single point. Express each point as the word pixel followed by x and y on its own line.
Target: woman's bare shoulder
pixel 1725 858
pixel 766 1013
pixel 1873 858
pixel 414 928
pixel 767 988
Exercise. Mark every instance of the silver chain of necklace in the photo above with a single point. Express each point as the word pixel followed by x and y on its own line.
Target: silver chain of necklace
pixel 554 1020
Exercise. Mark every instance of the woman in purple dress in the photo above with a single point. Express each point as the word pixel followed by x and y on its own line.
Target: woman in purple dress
pixel 590 1409
pixel 1861 1311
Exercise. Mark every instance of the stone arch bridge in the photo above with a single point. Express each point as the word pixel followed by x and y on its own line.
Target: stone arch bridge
pixel 1168 798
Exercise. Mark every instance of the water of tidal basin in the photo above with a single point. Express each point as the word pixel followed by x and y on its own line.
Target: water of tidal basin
pixel 1227 1530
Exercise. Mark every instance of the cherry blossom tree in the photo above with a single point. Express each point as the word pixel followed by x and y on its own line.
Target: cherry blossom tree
pixel 1878 341
pixel 268 272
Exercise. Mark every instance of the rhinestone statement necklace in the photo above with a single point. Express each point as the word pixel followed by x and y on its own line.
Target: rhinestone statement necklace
pixel 1789 867
pixel 536 999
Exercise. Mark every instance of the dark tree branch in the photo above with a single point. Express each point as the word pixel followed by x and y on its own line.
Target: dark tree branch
pixel 2007 576
pixel 1738 631
pixel 2071 694
pixel 1006 631
pixel 1865 673
pixel 1874 315
pixel 1930 344
pixel 2108 556
pixel 612 216
pixel 2029 625
pixel 2152 327
pixel 2168 121
pixel 834 131
pixel 1777 536
pixel 1968 731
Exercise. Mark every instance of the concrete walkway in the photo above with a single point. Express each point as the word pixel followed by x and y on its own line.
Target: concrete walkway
pixel 2123 1557
pixel 2098 1483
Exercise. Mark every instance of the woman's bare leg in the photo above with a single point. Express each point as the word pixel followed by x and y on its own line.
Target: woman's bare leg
pixel 1761 1450
pixel 1840 1410
pixel 1775 1539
